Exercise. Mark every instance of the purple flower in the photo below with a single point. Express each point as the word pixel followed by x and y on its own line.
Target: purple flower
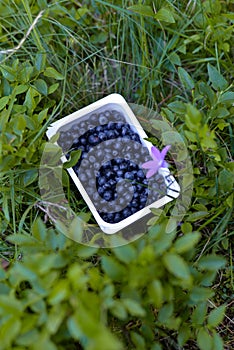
pixel 157 162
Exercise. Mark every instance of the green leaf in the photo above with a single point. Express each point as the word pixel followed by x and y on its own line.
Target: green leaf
pixel 30 176
pixel 216 316
pixel 39 229
pixel 165 15
pixel 53 73
pixel 185 79
pixel 193 118
pixel 137 340
pixel 211 262
pixel 40 61
pixel 143 10
pixel 155 291
pixel 126 253
pixel 187 242
pixel 176 265
pixel 41 86
pixel 20 89
pixel 112 268
pixel 199 314
pixel 177 107
pixel 118 310
pixel 9 330
pixel 217 80
pixel 3 102
pixel 74 157
pixel 226 180
pixel 165 313
pixel 227 97
pixel 53 88
pixel 184 334
pixel 204 340
pixel 199 294
pixel 59 292
pixel 133 307
pixel 217 342
pixel 197 216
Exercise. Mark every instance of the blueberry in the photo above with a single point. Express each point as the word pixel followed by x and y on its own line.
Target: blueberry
pixel 129 176
pixel 93 139
pixel 126 212
pixel 102 136
pixel 99 128
pixel 116 161
pixel 115 168
pixel 117 217
pixel 110 126
pixel 101 191
pixel 134 203
pixel 140 174
pixel 143 200
pixel 119 173
pixel 110 134
pixel 107 195
pixel 106 186
pixel 123 166
pixel 112 182
pixel 124 131
pixel 134 210
pixel 83 140
pixel 101 180
pixel 109 174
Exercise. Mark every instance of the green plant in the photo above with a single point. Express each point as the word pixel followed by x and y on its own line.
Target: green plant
pixel 162 291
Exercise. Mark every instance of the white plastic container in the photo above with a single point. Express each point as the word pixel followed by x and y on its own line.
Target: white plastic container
pixel 117 102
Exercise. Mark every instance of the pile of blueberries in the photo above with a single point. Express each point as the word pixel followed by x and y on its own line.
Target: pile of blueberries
pixel 110 164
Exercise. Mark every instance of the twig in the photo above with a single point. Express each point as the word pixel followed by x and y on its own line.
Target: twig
pixel 26 35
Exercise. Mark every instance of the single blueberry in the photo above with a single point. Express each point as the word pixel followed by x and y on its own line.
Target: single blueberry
pixel 119 173
pixel 101 180
pixel 107 195
pixel 117 217
pixel 126 212
pixel 140 174
pixel 93 139
pixel 101 191
pixel 129 176
pixel 109 174
pixel 110 134
pixel 99 128
pixel 102 136
pixel 83 140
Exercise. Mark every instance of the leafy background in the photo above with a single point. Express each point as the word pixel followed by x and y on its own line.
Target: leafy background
pixel 162 291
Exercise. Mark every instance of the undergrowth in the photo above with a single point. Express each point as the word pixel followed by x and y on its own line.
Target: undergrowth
pixel 160 292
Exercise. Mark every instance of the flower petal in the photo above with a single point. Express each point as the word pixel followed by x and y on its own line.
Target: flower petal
pixel 151 172
pixel 149 165
pixel 164 151
pixel 155 153
pixel 164 164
